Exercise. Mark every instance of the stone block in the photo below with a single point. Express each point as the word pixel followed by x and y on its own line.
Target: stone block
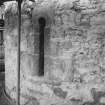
pixel 59 45
pixel 61 69
pixel 33 101
pixel 47 49
pixel 99 20
pixel 47 65
pixel 54 48
pixel 36 43
pixel 60 93
pixel 29 64
pixel 24 45
pixel 102 100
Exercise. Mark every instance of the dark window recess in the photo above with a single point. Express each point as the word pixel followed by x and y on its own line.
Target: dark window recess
pixel 2 63
pixel 42 23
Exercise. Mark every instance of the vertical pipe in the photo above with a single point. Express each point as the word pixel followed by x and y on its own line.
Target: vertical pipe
pixel 18 53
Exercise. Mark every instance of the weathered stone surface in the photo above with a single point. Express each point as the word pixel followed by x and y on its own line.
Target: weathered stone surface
pixel 32 101
pixel 74 52
pixel 60 93
pixel 31 62
pixel 97 96
pixel 102 100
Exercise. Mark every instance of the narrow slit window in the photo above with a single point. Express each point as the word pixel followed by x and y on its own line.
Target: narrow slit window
pixel 42 23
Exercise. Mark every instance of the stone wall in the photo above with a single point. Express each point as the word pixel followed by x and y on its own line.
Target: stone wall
pixel 74 53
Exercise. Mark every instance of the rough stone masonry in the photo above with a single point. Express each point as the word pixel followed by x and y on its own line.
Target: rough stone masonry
pixel 74 52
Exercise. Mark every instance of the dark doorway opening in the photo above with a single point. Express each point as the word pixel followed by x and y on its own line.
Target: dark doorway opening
pixel 42 24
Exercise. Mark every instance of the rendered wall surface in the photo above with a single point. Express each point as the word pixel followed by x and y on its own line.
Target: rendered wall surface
pixel 74 53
